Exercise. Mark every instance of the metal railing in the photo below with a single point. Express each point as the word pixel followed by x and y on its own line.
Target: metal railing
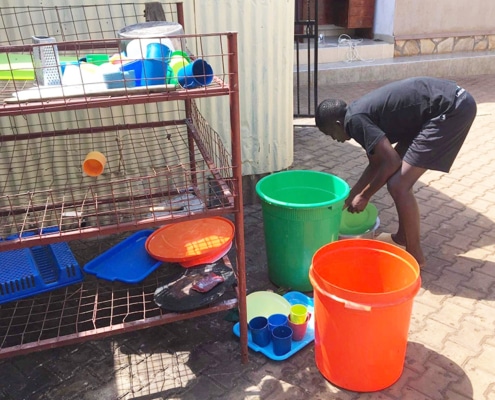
pixel 306 45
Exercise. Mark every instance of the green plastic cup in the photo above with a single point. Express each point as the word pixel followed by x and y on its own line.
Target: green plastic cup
pixel 97 59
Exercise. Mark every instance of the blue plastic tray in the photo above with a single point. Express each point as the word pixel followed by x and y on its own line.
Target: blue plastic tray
pixel 38 269
pixel 292 298
pixel 128 261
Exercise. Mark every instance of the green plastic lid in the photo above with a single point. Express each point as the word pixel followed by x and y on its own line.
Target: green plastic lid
pixel 358 223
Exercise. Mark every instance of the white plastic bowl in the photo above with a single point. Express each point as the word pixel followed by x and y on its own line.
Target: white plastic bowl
pixel 369 234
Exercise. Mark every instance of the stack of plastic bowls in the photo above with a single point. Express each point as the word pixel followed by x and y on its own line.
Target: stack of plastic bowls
pixel 178 60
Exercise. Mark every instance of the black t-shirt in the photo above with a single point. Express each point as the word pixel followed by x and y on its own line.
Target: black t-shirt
pixel 398 110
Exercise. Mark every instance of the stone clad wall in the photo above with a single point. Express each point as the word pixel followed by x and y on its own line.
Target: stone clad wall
pixel 416 47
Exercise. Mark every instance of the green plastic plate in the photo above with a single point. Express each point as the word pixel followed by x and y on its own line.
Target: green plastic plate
pixel 358 223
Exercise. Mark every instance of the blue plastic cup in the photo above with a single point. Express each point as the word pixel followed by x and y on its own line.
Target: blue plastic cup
pixel 64 64
pixel 154 72
pixel 196 74
pixel 137 68
pixel 158 51
pixel 275 320
pixel 282 340
pixel 260 333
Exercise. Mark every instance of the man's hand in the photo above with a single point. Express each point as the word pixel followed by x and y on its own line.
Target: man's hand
pixel 357 204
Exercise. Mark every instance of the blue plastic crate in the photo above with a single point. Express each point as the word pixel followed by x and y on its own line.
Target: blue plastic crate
pixel 38 269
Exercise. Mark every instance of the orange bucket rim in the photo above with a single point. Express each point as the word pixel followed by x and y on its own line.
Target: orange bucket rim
pixel 388 248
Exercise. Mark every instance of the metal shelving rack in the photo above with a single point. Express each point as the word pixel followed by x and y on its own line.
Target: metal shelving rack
pixel 158 145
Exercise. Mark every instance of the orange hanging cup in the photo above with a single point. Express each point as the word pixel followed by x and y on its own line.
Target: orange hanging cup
pixel 94 163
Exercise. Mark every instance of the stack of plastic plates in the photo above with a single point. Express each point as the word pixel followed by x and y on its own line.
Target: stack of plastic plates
pixel 191 243
pixel 358 223
pixel 265 303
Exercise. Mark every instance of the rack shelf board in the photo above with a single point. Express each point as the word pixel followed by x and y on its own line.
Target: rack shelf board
pixel 92 309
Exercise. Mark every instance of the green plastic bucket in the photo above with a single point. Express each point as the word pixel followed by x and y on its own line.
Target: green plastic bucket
pixel 301 213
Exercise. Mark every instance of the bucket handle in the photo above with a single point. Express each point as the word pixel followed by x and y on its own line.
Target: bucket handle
pixel 353 305
pixel 347 303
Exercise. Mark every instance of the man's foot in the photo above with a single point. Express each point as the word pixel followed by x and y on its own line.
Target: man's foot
pixel 398 242
pixel 421 263
pixel 420 258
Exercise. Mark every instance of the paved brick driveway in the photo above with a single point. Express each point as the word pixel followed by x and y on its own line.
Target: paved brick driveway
pixel 451 348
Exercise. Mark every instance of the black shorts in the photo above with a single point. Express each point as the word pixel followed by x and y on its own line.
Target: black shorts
pixel 441 138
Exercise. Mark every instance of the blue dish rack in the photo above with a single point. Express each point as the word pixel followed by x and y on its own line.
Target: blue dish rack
pixel 38 269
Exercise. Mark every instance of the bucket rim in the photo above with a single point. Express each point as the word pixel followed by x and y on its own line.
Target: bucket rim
pixel 388 248
pixel 401 296
pixel 271 200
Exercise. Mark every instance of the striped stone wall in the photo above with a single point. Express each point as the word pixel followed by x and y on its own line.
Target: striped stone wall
pixel 417 47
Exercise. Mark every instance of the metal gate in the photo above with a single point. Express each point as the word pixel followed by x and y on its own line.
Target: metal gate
pixel 306 45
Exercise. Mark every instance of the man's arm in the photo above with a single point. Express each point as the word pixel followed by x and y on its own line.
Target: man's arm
pixel 383 163
pixel 362 183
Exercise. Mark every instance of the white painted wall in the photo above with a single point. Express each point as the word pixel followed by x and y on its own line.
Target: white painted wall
pixel 404 19
pixel 384 19
pixel 266 59
pixel 437 18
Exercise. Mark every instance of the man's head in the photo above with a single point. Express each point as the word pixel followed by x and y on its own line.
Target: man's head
pixel 329 119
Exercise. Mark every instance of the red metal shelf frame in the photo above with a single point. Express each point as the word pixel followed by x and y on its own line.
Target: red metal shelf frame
pixel 161 153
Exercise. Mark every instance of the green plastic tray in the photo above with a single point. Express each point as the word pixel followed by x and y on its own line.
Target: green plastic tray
pixel 20 66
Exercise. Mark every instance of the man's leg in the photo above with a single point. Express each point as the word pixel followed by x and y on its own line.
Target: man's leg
pixel 400 186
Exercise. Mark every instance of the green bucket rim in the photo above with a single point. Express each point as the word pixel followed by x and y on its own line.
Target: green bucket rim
pixel 286 204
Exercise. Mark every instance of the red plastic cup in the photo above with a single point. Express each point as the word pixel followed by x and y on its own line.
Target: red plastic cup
pixel 299 330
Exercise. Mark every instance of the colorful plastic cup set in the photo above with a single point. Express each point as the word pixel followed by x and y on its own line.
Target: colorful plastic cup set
pixel 164 65
pixel 146 62
pixel 280 329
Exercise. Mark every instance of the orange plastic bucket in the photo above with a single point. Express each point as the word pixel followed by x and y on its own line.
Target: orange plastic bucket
pixel 363 297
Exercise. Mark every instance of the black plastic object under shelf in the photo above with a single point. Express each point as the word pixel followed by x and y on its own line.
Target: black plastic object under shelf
pixel 29 271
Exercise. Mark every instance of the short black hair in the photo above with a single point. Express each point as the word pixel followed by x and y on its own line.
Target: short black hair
pixel 329 111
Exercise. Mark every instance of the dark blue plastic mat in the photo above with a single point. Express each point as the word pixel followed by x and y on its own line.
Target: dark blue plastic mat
pixel 38 269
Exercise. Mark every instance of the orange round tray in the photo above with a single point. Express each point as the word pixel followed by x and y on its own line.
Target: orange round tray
pixel 191 242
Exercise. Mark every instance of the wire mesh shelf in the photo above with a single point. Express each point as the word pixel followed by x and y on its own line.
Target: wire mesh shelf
pixel 163 161
pixel 93 308
pixel 155 172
